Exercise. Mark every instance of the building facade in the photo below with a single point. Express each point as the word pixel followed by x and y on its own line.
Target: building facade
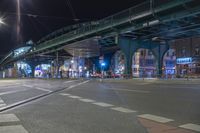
pixel 187 56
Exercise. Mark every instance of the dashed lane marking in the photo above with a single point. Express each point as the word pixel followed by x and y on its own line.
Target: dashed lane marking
pixel 103 104
pixel 124 110
pixel 65 94
pixel 155 118
pixel 8 118
pixel 75 97
pixel 191 126
pixel 29 86
pixel 42 89
pixel 87 100
pixel 13 129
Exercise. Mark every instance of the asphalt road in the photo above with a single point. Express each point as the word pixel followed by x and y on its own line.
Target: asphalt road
pixel 94 106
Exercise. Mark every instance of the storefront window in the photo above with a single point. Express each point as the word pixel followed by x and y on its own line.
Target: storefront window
pixel 169 63
pixel 143 63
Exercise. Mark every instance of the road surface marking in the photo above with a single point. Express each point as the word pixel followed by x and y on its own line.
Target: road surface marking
pixel 3 104
pixel 75 97
pixel 13 129
pixel 103 104
pixel 87 100
pixel 72 86
pixel 23 102
pixel 38 88
pixel 1 101
pixel 10 92
pixel 8 118
pixel 42 89
pixel 155 118
pixel 70 81
pixel 29 86
pixel 191 126
pixel 64 94
pixel 138 91
pixel 124 110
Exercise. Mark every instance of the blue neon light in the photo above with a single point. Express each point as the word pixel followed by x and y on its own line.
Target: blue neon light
pixel 103 64
pixel 187 60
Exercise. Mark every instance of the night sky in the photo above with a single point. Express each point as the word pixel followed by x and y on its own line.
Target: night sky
pixel 41 17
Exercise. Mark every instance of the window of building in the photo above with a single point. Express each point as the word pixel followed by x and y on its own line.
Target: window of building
pixel 149 52
pixel 183 52
pixel 142 53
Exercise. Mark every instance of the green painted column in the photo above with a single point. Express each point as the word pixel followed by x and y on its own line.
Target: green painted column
pixel 159 52
pixel 128 47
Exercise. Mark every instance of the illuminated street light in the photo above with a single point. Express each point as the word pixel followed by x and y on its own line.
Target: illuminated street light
pixel 1 21
pixel 103 64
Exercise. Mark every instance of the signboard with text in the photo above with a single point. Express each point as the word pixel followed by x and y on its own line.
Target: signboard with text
pixel 186 60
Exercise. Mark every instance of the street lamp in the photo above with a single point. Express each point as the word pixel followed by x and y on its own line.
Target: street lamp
pixel 1 21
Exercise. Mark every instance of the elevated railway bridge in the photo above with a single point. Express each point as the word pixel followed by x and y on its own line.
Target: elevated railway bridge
pixel 151 25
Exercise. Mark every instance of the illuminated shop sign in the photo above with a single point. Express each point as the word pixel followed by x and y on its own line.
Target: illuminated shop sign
pixel 184 60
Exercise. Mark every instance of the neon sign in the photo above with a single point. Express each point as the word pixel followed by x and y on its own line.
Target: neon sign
pixel 187 60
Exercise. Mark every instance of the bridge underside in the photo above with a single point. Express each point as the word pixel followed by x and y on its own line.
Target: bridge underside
pixel 86 48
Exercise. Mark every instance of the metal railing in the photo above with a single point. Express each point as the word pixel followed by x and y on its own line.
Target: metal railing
pixel 130 14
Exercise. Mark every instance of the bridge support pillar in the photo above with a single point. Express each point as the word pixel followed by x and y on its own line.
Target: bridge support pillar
pixel 159 52
pixel 32 65
pixel 128 48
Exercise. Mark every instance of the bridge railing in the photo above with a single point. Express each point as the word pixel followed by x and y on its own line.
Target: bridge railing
pixel 108 21
pixel 130 14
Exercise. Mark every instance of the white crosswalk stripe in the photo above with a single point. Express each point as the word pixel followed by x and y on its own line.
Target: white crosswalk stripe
pixel 124 110
pixel 191 126
pixel 155 118
pixel 87 100
pixel 75 97
pixel 103 104
pixel 8 118
pixel 64 94
pixel 13 129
